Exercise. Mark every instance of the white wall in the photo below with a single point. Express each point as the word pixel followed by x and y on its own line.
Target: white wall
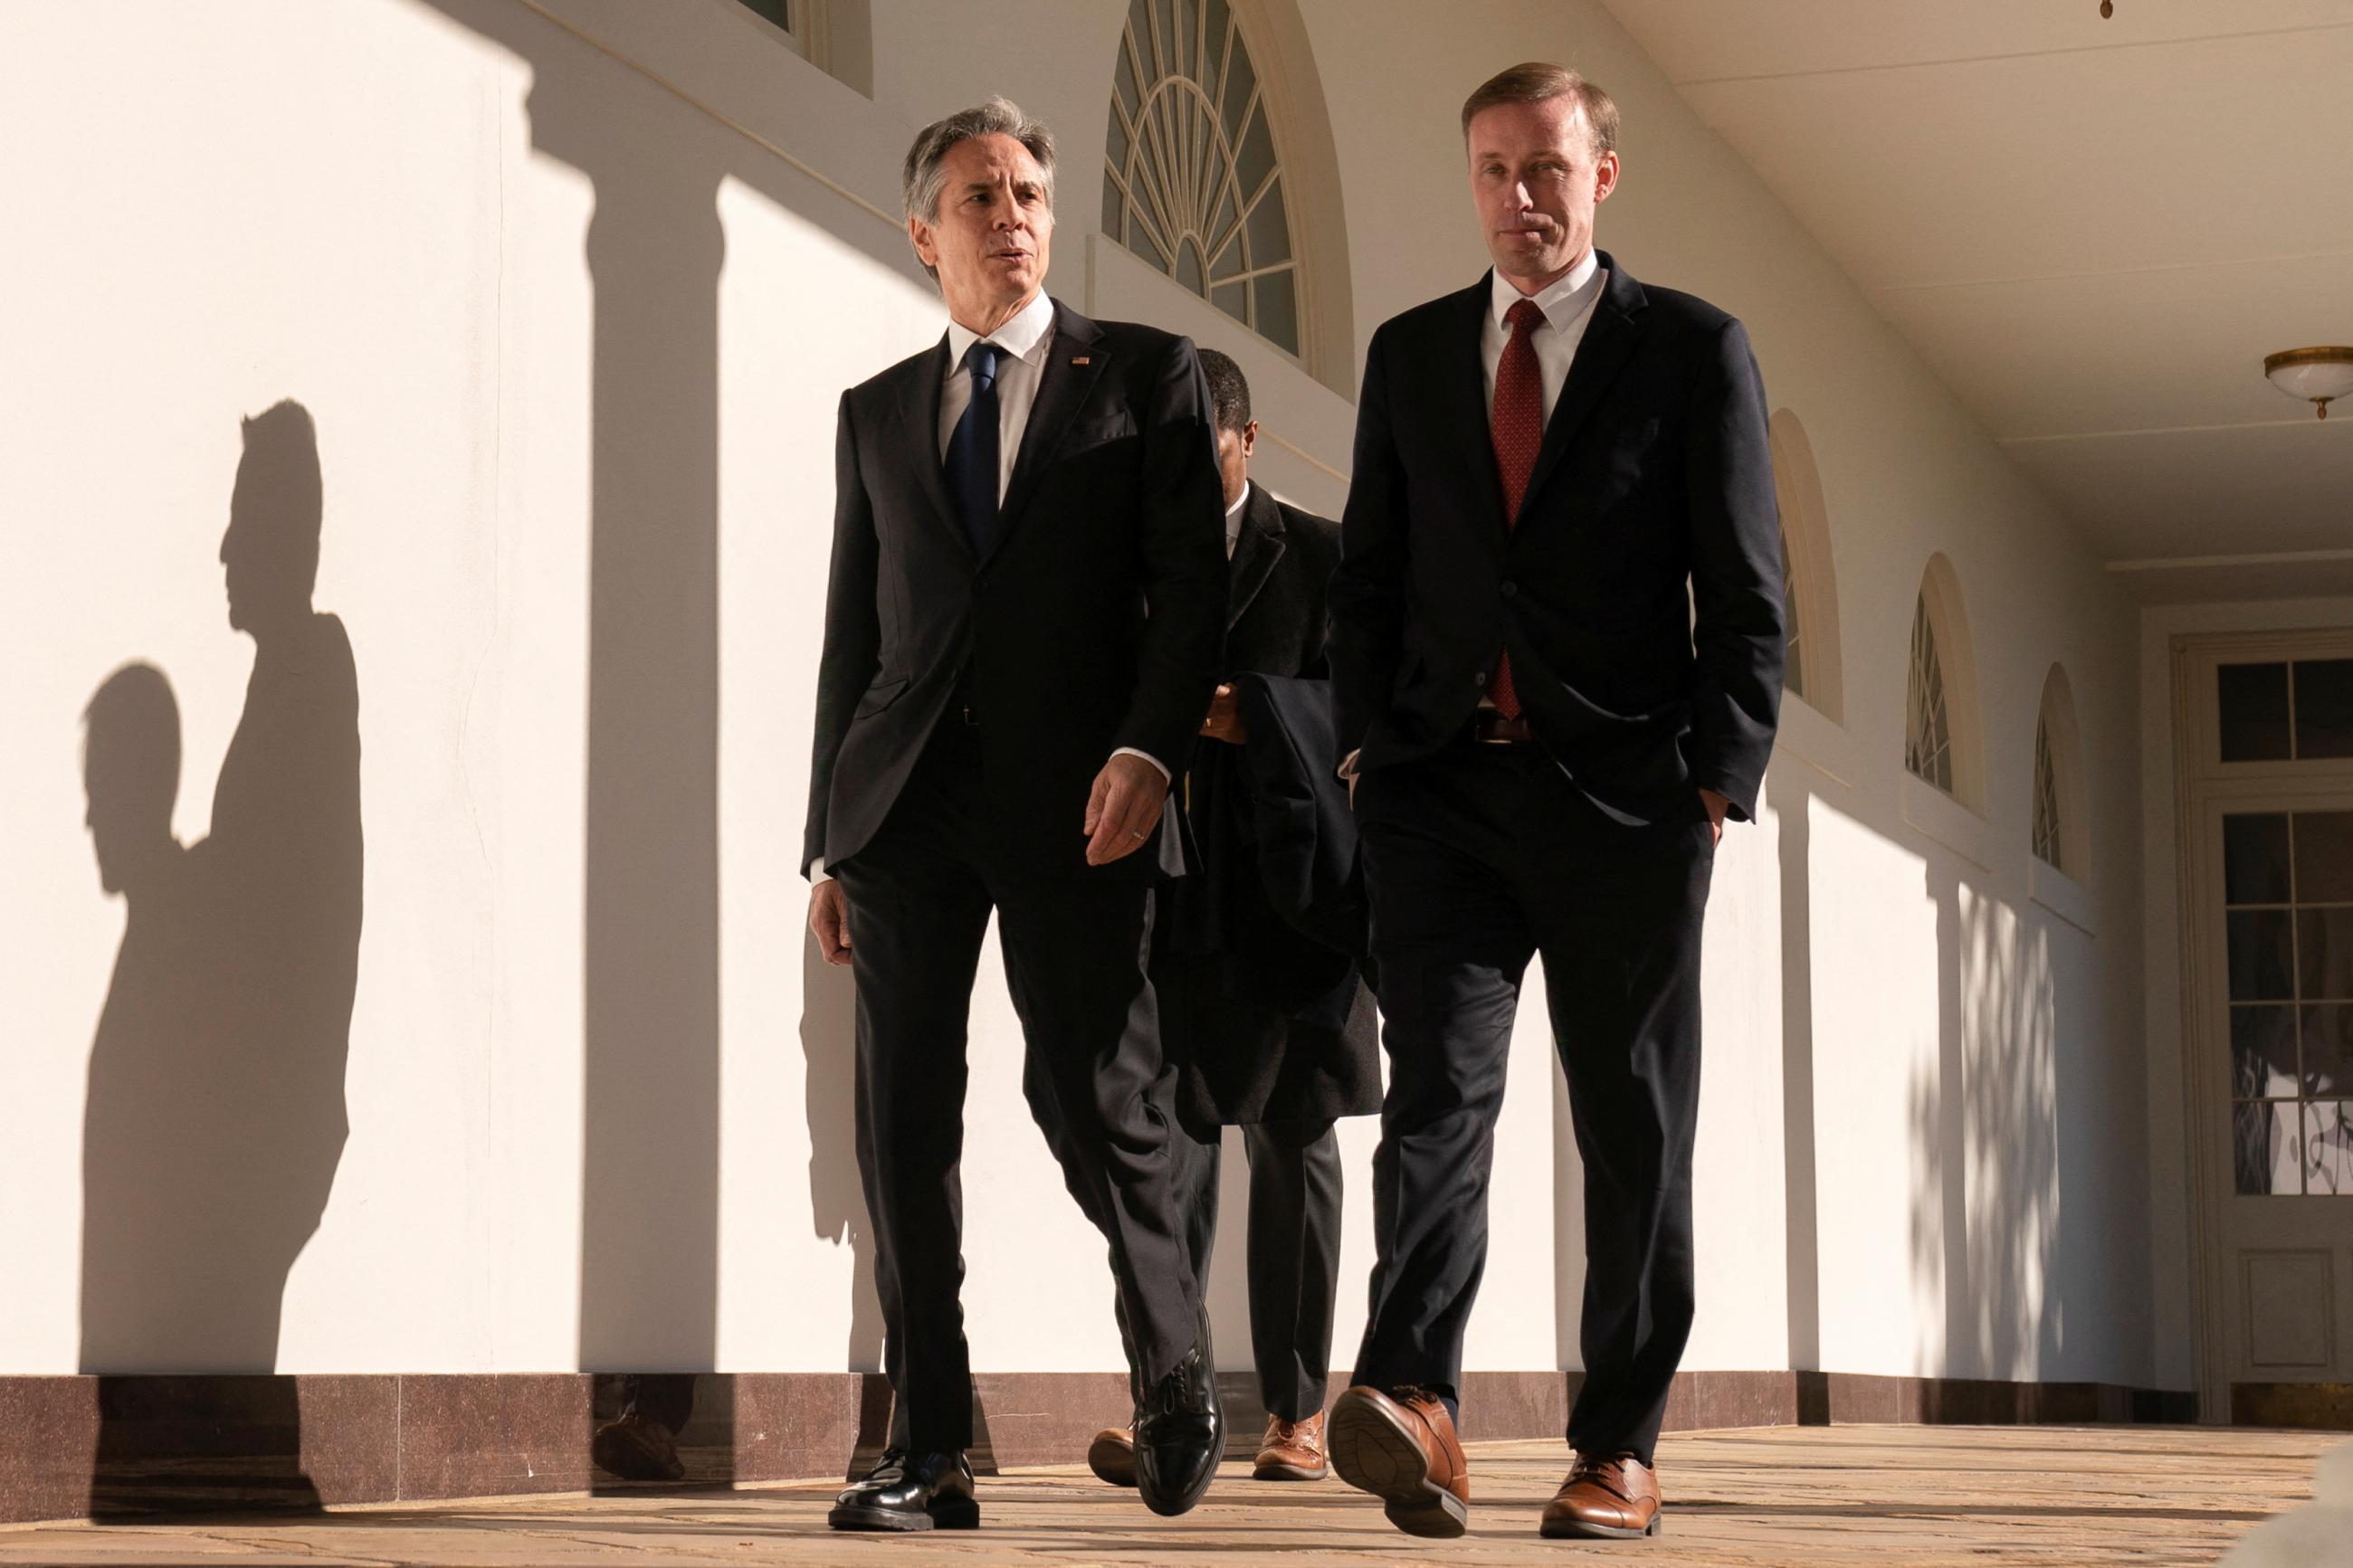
pixel 549 313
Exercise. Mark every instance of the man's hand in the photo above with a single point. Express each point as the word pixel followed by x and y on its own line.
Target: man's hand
pixel 829 920
pixel 1716 807
pixel 1224 722
pixel 1122 807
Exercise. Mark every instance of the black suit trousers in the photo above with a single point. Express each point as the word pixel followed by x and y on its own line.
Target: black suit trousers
pixel 1292 1252
pixel 1477 858
pixel 920 893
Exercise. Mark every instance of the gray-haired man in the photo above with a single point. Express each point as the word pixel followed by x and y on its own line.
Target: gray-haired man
pixel 1021 632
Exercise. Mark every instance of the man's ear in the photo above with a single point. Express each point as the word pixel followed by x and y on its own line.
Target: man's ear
pixel 1605 177
pixel 919 235
pixel 1250 438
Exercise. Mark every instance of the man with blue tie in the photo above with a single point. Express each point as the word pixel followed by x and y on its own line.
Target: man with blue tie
pixel 1022 630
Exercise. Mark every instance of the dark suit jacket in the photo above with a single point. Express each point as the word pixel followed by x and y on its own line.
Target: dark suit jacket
pixel 1092 623
pixel 1654 474
pixel 1256 951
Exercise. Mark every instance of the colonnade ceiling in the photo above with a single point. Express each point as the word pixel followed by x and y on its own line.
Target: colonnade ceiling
pixel 2092 230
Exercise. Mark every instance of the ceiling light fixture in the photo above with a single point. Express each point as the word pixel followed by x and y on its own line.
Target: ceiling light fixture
pixel 2318 376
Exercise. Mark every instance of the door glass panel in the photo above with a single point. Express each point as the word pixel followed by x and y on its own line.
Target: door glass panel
pixel 2255 712
pixel 2256 859
pixel 2263 1053
pixel 2324 708
pixel 2324 942
pixel 2327 1050
pixel 2265 1139
pixel 2324 856
pixel 2328 1148
pixel 2260 952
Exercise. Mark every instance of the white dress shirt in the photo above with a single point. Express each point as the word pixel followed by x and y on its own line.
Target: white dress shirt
pixel 1025 340
pixel 1568 306
pixel 1234 520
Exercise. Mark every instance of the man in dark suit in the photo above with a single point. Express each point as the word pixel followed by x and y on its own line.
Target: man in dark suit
pixel 1021 630
pixel 1557 645
pixel 1267 1032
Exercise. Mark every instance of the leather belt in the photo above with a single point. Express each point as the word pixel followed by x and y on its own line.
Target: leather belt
pixel 1490 727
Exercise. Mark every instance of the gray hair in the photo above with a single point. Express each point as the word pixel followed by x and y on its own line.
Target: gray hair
pixel 925 173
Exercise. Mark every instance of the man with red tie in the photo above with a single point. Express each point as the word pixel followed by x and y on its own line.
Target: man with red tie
pixel 1556 647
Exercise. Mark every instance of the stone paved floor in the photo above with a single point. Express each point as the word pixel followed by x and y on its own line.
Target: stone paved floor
pixel 1803 1498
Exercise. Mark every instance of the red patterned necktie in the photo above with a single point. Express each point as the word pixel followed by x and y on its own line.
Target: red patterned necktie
pixel 1517 427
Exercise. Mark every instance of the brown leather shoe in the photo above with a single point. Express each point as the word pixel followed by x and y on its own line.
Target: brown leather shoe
pixel 1111 1457
pixel 1615 1496
pixel 1401 1449
pixel 1291 1451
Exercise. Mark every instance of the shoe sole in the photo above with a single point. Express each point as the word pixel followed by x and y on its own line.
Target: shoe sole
pixel 1289 1473
pixel 963 1515
pixel 1577 1530
pixel 1113 1463
pixel 1375 1454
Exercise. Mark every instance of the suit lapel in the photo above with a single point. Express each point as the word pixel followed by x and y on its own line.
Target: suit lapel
pixel 1256 552
pixel 1601 353
pixel 919 410
pixel 1463 383
pixel 1063 387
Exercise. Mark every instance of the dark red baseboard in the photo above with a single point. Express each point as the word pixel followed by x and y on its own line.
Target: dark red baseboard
pixel 151 1446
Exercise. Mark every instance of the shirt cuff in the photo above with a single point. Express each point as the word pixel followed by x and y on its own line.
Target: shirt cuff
pixel 1165 775
pixel 817 873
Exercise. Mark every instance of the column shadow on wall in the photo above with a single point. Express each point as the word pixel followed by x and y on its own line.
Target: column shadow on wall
pixel 1792 801
pixel 1985 1191
pixel 215 1118
pixel 649 1224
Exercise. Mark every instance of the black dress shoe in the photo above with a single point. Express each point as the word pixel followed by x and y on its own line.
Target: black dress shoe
pixel 909 1492
pixel 1180 1431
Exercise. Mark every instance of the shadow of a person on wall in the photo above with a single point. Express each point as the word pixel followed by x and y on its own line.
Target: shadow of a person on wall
pixel 215 1117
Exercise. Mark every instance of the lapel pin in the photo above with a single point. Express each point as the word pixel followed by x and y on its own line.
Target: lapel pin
pixel 1081 359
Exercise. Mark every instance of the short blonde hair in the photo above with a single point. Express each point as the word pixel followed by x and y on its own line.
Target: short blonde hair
pixel 1536 81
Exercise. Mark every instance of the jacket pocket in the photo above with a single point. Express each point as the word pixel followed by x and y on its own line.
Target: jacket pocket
pixel 1091 433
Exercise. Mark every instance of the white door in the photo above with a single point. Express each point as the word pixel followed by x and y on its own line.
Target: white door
pixel 2268 869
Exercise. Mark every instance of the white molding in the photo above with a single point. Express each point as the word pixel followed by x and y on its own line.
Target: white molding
pixel 1946 820
pixel 1819 741
pixel 2061 894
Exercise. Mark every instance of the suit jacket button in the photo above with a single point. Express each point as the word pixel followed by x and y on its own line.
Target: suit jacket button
pixel 1510 588
pixel 1480 679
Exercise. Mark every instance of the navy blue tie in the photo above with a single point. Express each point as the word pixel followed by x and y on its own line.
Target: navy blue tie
pixel 972 459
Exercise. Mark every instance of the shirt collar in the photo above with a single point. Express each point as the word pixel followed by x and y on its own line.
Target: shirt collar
pixel 1234 512
pixel 1562 301
pixel 1024 336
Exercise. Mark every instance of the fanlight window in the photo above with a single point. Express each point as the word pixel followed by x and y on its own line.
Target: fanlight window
pixel 1927 726
pixel 1793 677
pixel 1191 182
pixel 2048 827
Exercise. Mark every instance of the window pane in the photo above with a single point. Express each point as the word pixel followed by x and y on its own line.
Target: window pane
pixel 1232 298
pixel 2323 954
pixel 2255 712
pixel 1213 51
pixel 1253 162
pixel 1278 310
pixel 1224 231
pixel 2327 1049
pixel 1123 70
pixel 2328 1148
pixel 2324 708
pixel 2263 1148
pixel 1240 79
pixel 2263 1053
pixel 2259 955
pixel 1270 230
pixel 1189 271
pixel 2255 860
pixel 1114 210
pixel 780 12
pixel 2323 858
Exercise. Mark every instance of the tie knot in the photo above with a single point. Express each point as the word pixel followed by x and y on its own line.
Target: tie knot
pixel 1524 316
pixel 981 360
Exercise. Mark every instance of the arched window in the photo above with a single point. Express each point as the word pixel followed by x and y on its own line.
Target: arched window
pixel 1940 709
pixel 1193 176
pixel 1809 583
pixel 2061 838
